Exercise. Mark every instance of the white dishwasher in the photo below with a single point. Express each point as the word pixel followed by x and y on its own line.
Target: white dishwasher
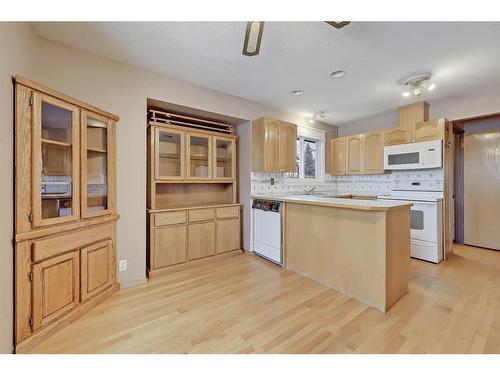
pixel 267 239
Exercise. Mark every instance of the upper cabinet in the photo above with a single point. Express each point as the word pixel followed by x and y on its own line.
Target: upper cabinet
pixel 97 164
pixel 169 154
pixel 338 156
pixel 274 145
pixel 397 136
pixel 412 114
pixel 373 153
pixel 354 154
pixel 55 160
pixel 428 131
pixel 224 167
pixel 199 156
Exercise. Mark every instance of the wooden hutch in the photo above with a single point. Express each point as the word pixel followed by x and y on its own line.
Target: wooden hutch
pixel 65 210
pixel 192 209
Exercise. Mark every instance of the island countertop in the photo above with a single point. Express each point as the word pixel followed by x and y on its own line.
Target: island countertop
pixel 350 203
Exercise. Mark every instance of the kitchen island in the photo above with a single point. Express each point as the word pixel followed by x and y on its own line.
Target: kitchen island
pixel 356 246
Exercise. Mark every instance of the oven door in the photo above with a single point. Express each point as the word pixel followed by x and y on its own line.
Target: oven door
pixel 424 222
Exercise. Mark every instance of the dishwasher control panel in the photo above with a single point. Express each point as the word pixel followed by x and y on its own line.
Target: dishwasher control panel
pixel 266 205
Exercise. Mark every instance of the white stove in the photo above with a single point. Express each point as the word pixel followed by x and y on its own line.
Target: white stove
pixel 426 229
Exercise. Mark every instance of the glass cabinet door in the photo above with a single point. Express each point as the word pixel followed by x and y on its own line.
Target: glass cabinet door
pixel 199 156
pixel 55 147
pixel 169 154
pixel 224 160
pixel 96 138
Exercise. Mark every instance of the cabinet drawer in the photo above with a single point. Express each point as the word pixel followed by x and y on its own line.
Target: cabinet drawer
pixel 52 246
pixel 201 215
pixel 168 218
pixel 223 212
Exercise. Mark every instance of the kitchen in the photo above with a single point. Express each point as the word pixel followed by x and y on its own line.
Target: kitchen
pixel 190 220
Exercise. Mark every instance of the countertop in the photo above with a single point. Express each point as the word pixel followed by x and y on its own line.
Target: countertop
pixel 350 203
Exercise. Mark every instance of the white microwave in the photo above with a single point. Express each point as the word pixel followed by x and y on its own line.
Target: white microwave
pixel 418 155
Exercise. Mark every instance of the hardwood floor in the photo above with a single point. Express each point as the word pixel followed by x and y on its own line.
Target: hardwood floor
pixel 242 304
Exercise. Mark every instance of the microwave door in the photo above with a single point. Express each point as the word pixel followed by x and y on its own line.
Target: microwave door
pixel 403 160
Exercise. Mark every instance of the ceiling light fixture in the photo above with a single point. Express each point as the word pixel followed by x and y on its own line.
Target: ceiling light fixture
pixel 296 92
pixel 253 37
pixel 321 115
pixel 338 74
pixel 417 84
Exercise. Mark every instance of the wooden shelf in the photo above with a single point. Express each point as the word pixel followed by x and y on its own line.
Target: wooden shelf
pixel 97 150
pixel 62 144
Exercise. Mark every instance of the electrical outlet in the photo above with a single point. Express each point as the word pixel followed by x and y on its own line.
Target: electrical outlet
pixel 122 266
pixel 272 180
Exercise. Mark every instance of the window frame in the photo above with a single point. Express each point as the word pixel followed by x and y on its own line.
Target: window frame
pixel 320 163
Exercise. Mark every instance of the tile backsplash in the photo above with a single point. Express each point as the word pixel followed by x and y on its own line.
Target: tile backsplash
pixel 421 179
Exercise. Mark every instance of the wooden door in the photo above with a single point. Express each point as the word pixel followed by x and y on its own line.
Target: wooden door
pixel 228 235
pixel 169 154
pixel 55 161
pixel 428 131
pixel 97 268
pixel 199 156
pixel 397 136
pixel 271 145
pixel 354 157
pixel 201 240
pixel 56 288
pixel 482 188
pixel 373 153
pixel 338 156
pixel 97 164
pixel 287 147
pixel 224 158
pixel 170 245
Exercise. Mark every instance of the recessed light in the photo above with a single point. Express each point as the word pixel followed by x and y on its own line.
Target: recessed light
pixel 338 74
pixel 296 92
pixel 406 93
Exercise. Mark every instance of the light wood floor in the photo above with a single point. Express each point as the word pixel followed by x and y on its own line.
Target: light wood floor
pixel 242 304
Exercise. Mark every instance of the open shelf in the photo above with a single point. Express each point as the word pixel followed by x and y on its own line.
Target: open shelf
pixel 175 195
pixel 57 143
pixel 96 150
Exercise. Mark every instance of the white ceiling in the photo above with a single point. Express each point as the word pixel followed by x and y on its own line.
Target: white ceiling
pixel 378 56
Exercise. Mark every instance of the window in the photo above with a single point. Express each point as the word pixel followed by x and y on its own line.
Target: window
pixel 310 161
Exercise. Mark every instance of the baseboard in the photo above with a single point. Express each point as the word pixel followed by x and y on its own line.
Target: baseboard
pixel 44 333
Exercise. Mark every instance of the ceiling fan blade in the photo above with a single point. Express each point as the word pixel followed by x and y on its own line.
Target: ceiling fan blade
pixel 253 36
pixel 338 24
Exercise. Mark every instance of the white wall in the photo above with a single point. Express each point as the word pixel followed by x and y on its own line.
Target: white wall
pixel 16 42
pixel 476 103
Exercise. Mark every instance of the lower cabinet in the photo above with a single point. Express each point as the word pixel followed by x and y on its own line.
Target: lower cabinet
pixel 56 287
pixel 201 240
pixel 170 245
pixel 98 268
pixel 183 235
pixel 228 235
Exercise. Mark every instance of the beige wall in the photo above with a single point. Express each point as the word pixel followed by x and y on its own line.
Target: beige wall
pixel 476 103
pixel 16 41
pixel 115 87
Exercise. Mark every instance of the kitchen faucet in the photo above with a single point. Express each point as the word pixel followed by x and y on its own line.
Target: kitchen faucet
pixel 310 191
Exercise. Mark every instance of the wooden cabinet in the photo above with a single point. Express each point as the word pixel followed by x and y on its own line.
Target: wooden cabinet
pixel 274 145
pixel 354 154
pixel 228 235
pixel 412 114
pixel 224 159
pixel 199 156
pixel 338 156
pixel 201 240
pixel 65 210
pixel 182 235
pixel 170 246
pixel 98 268
pixel 373 153
pixel 428 131
pixel 397 136
pixel 55 168
pixel 170 155
pixel 56 284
